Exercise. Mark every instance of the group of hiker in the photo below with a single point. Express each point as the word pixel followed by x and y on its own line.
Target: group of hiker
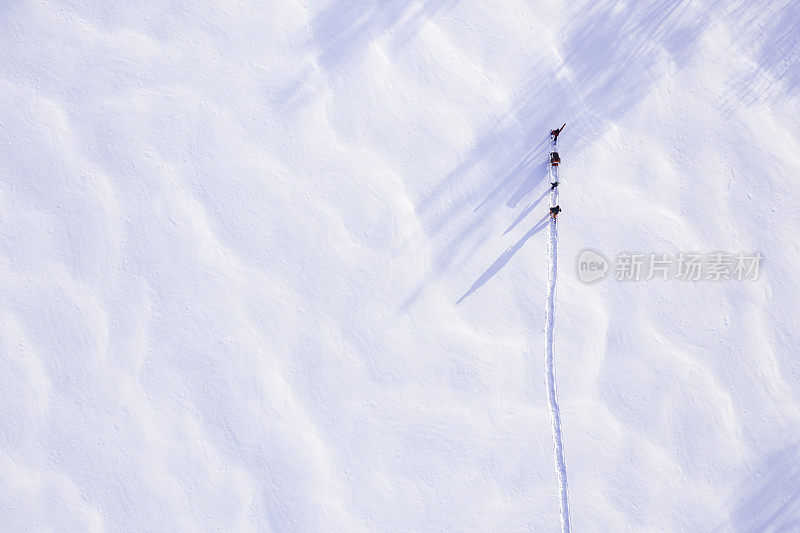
pixel 554 161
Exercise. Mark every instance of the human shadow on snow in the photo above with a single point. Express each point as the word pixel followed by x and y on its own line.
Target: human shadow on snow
pixel 531 206
pixel 609 59
pixel 505 257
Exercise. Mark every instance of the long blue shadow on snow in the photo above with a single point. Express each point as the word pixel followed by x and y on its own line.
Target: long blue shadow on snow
pixel 343 30
pixel 611 58
pixel 771 496
pixel 506 256
pixel 526 167
pixel 769 33
pixel 531 206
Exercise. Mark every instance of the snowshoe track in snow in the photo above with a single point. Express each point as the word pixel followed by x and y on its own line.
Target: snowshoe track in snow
pixel 555 417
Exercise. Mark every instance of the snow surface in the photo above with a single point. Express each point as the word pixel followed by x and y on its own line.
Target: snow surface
pixel 281 266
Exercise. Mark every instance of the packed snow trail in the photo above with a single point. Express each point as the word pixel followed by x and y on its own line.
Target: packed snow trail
pixel 555 417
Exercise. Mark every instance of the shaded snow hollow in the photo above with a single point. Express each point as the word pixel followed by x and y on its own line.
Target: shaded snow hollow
pixel 281 266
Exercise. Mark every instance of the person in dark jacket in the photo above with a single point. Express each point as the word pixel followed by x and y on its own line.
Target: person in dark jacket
pixel 555 133
pixel 554 211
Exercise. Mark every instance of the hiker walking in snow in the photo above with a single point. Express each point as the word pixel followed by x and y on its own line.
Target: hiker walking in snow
pixel 554 211
pixel 553 185
pixel 555 133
